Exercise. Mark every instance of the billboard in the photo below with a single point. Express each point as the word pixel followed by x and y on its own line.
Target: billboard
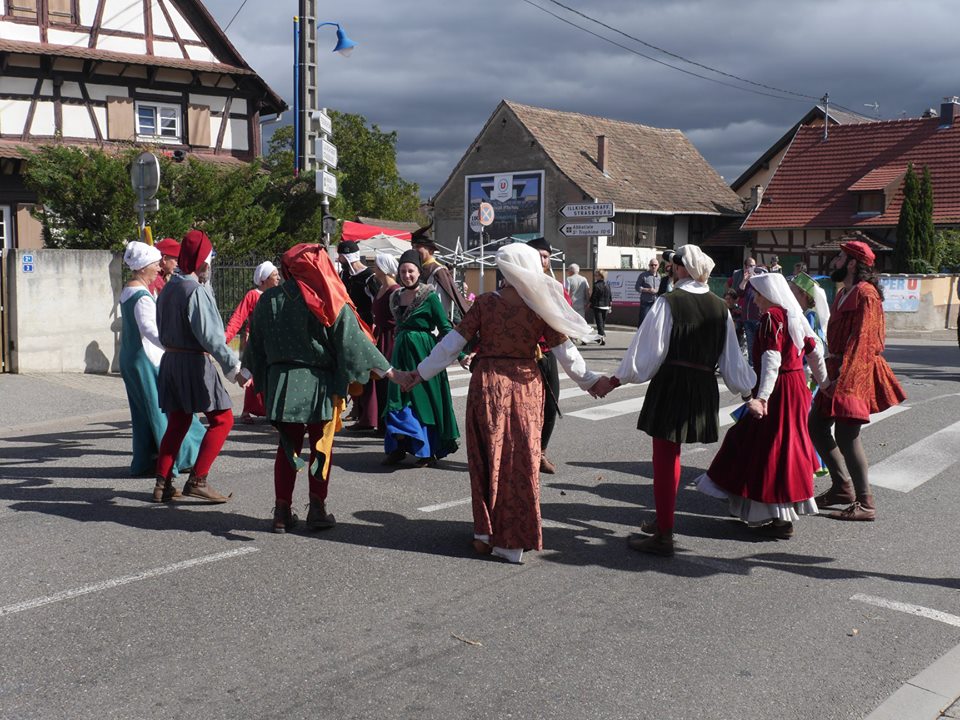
pixel 517 200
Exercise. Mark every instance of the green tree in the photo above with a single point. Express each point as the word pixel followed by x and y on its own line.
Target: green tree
pixel 368 178
pixel 947 255
pixel 926 232
pixel 906 248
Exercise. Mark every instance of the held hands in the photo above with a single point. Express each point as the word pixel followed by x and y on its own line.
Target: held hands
pixel 757 408
pixel 244 379
pixel 466 360
pixel 603 386
pixel 407 380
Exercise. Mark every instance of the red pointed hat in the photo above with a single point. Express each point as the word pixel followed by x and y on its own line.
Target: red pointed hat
pixel 859 251
pixel 194 251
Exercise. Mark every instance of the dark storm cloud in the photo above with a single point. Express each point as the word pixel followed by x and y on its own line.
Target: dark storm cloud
pixel 434 70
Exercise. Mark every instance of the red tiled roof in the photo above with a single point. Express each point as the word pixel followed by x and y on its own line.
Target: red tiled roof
pixel 728 234
pixel 16 148
pixel 812 186
pixel 74 51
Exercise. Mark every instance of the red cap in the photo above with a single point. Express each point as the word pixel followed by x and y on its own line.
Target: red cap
pixel 859 251
pixel 169 246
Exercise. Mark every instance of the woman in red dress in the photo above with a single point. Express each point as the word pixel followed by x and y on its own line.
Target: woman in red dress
pixel 766 463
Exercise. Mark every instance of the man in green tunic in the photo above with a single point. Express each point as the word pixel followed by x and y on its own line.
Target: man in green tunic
pixel 306 348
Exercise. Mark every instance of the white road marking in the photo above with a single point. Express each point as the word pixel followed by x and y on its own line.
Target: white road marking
pixel 889 412
pixel 125 580
pixel 609 410
pixel 908 608
pixel 924 460
pixel 444 506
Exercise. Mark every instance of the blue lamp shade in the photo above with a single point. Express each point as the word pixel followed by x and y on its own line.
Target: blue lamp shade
pixel 345 45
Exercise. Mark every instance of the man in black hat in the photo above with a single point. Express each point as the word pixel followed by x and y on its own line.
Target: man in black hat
pixel 362 286
pixel 434 274
pixel 548 367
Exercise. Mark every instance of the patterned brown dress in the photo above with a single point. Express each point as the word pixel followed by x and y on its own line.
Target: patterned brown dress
pixel 504 418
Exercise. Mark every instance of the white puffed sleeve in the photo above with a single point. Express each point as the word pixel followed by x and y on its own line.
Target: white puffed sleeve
pixel 145 313
pixel 444 353
pixel 737 373
pixel 574 365
pixel 769 371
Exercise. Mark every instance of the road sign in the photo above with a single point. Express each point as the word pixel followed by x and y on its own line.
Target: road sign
pixel 327 183
pixel 326 152
pixel 587 229
pixel 588 210
pixel 486 214
pixel 326 124
pixel 150 205
pixel 475 222
pixel 145 175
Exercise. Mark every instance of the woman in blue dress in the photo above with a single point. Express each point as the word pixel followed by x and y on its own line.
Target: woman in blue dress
pixel 140 353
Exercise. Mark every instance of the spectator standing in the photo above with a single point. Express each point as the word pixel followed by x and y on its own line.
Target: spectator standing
pixel 601 302
pixel 648 286
pixel 578 288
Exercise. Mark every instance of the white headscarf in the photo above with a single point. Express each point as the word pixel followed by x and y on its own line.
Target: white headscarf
pixel 138 255
pixel 387 263
pixel 696 261
pixel 774 287
pixel 822 306
pixel 263 271
pixel 523 270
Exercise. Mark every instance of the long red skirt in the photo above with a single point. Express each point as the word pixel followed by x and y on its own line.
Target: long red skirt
pixel 770 459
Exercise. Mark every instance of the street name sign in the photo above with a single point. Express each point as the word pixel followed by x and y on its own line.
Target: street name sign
pixel 327 183
pixel 588 210
pixel 327 152
pixel 587 229
pixel 324 122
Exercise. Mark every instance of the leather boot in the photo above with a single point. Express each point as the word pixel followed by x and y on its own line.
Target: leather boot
pixel 546 466
pixel 657 544
pixel 198 487
pixel 317 516
pixel 164 491
pixel 283 517
pixel 836 495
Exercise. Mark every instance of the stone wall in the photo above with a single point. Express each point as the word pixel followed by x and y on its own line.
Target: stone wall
pixel 937 307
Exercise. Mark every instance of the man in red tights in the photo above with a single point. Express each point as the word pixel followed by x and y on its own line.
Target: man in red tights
pixel 191 332
pixel 685 337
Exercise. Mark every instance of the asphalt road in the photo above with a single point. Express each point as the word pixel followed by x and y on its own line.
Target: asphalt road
pixel 112 607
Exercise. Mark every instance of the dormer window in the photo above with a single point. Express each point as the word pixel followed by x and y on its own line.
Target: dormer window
pixel 158 122
pixel 870 203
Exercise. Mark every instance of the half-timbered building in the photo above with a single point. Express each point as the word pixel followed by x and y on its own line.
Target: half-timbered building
pixel 111 73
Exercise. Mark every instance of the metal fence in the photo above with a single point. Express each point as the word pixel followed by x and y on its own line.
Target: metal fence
pixel 230 284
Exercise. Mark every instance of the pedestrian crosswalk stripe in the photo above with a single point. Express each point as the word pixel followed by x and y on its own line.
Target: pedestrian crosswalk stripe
pixel 914 465
pixel 610 410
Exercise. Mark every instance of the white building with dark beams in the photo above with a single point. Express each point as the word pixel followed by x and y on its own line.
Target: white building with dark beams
pixel 112 73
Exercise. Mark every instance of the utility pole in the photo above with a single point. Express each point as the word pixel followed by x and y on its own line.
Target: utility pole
pixel 307 87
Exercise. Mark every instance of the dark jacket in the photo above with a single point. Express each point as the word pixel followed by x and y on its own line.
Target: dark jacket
pixel 600 296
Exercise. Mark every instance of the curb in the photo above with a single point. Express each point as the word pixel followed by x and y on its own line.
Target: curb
pixel 928 695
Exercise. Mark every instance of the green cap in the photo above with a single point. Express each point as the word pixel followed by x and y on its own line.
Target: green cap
pixel 805 283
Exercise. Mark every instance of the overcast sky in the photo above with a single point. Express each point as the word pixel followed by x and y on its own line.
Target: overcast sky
pixel 434 70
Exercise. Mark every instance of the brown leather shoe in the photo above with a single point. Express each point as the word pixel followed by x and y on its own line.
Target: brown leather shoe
pixel 658 544
pixel 836 495
pixel 198 487
pixel 283 518
pixel 481 548
pixel 857 512
pixel 546 466
pixel 164 491
pixel 317 516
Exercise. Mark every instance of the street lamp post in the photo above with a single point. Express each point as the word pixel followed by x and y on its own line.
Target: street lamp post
pixel 305 88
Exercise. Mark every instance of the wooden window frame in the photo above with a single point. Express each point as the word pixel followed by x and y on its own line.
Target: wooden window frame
pixel 157 137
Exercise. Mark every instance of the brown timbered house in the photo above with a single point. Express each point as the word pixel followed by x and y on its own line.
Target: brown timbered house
pixel 111 73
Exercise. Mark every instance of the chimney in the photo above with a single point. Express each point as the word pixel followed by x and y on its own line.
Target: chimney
pixel 949 111
pixel 756 196
pixel 602 150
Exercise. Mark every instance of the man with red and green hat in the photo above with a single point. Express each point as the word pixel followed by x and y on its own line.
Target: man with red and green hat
pixel 859 382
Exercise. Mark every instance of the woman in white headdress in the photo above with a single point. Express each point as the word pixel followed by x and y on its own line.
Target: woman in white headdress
pixel 140 353
pixel 766 463
pixel 506 396
pixel 384 323
pixel 265 276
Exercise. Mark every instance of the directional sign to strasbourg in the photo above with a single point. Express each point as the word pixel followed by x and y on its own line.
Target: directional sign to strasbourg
pixel 587 229
pixel 588 210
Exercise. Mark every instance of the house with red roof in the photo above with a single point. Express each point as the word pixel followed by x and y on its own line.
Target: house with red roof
pixel 848 182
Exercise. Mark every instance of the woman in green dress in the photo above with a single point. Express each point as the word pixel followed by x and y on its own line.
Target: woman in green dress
pixel 420 422
pixel 140 353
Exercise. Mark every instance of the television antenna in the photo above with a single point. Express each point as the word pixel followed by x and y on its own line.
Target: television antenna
pixel 876 108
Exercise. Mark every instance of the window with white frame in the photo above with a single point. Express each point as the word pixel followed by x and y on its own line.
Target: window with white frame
pixel 158 122
pixel 6 229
